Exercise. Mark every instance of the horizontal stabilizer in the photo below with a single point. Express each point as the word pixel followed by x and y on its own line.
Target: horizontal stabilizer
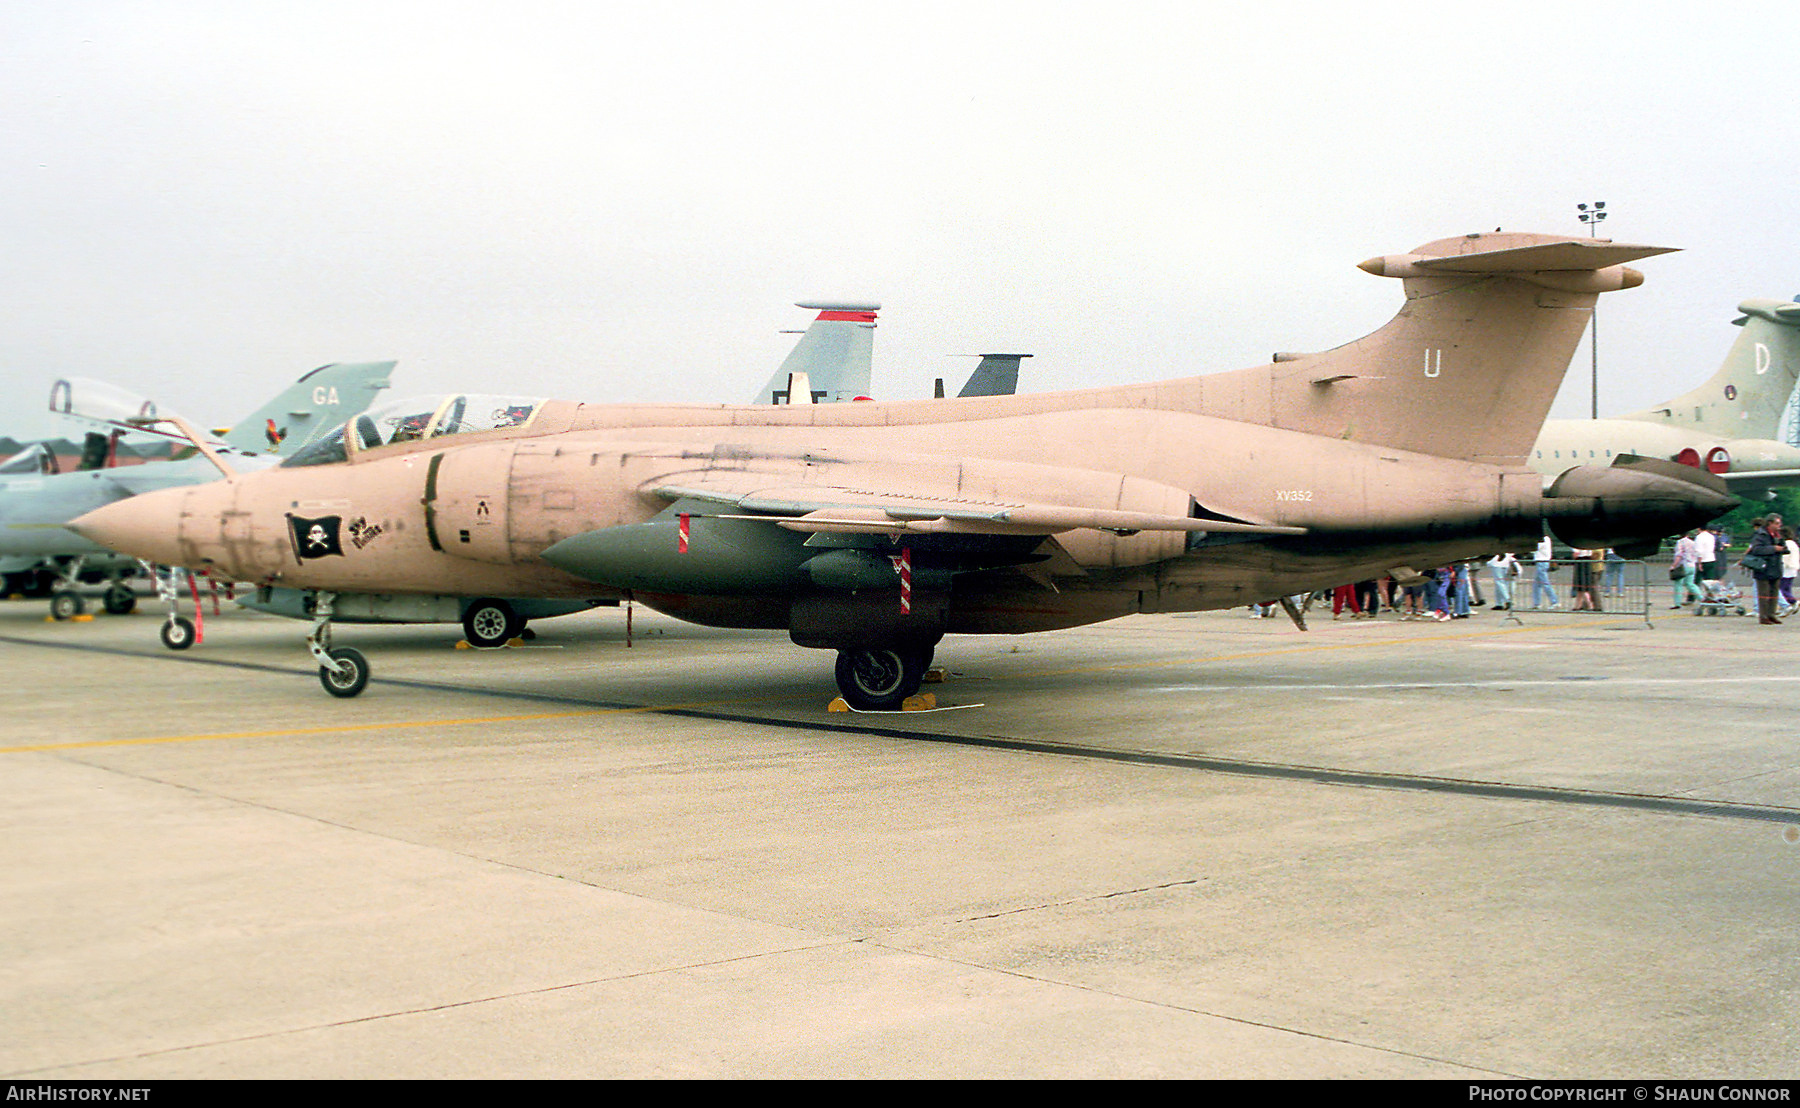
pixel 1520 255
pixel 1546 257
pixel 1761 478
pixel 1775 311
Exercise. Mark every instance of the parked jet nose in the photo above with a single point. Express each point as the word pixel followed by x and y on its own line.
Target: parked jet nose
pixel 147 526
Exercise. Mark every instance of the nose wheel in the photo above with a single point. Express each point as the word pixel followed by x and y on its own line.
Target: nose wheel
pixel 178 633
pixel 350 676
pixel 342 671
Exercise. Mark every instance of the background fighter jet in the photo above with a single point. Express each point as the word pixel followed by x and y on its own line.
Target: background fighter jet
pixel 1728 425
pixel 876 529
pixel 834 355
pixel 995 375
pixel 34 508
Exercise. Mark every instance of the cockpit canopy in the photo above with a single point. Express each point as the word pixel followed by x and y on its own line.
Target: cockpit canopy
pixel 429 417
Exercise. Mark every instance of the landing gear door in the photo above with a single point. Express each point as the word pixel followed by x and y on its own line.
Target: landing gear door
pixel 466 502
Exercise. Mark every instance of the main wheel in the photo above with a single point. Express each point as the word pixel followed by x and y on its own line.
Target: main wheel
pixel 353 675
pixel 66 604
pixel 178 633
pixel 491 623
pixel 121 600
pixel 879 679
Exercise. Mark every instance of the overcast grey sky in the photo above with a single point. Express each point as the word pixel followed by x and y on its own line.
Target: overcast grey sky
pixel 621 201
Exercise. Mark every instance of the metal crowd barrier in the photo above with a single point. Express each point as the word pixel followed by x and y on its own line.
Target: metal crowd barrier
pixel 1616 586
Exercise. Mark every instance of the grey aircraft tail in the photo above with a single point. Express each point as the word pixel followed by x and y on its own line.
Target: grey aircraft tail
pixel 316 403
pixel 835 354
pixel 1745 399
pixel 995 375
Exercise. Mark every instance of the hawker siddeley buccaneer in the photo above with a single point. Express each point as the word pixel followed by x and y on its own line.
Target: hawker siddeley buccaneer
pixel 1728 425
pixel 876 529
pixel 35 508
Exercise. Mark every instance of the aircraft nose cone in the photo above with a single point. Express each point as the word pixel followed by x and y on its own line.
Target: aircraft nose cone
pixel 147 526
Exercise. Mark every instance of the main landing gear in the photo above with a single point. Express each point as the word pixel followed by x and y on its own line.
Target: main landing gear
pixel 65 602
pixel 880 678
pixel 489 623
pixel 120 600
pixel 344 672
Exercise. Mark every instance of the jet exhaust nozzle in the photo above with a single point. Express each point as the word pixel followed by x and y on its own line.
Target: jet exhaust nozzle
pixel 1632 501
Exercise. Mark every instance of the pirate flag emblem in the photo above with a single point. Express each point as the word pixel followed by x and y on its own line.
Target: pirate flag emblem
pixel 316 538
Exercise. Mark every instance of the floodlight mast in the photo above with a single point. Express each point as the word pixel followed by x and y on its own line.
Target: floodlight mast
pixel 1591 215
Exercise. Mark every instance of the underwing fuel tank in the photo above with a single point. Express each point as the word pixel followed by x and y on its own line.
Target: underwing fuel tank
pixel 722 556
pixel 1633 500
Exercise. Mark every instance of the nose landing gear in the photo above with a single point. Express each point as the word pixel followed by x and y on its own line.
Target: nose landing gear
pixel 343 672
pixel 178 632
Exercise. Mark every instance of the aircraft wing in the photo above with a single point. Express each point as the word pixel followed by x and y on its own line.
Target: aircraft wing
pixel 896 510
pixel 749 531
pixel 1760 478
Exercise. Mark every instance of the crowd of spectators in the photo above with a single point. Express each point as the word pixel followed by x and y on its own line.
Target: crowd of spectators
pixel 1698 569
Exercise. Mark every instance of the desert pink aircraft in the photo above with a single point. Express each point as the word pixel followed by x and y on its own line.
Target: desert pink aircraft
pixel 875 529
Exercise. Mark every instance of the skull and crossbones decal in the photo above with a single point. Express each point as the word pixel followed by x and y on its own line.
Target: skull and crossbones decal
pixel 316 538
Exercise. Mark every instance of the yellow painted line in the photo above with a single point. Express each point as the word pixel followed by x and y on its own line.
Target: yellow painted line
pixel 349 727
pixel 651 708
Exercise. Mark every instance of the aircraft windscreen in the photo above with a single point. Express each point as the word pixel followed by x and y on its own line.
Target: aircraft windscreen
pixel 476 412
pixel 434 417
pixel 426 417
pixel 321 451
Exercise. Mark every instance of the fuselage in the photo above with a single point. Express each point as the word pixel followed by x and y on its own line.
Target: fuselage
pixel 1572 442
pixel 35 510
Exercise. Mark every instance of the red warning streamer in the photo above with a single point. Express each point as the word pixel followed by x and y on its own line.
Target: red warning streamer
pixel 681 547
pixel 906 580
pixel 199 621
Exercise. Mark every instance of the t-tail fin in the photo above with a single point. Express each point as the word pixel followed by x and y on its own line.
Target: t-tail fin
pixel 834 353
pixel 316 403
pixel 1746 398
pixel 1470 365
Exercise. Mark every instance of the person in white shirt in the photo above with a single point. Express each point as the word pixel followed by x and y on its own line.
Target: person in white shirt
pixel 1683 568
pixel 1540 584
pixel 1501 568
pixel 1706 553
pixel 1790 567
